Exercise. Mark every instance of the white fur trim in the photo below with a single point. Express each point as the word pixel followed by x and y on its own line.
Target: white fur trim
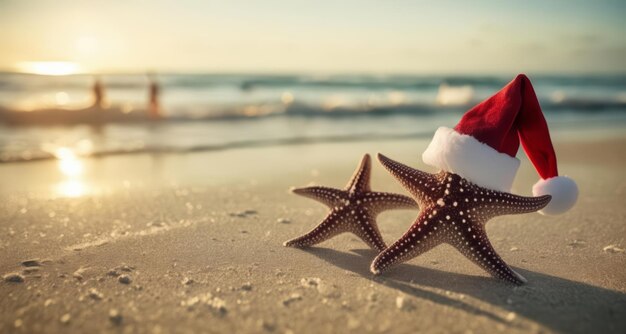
pixel 465 155
pixel 563 190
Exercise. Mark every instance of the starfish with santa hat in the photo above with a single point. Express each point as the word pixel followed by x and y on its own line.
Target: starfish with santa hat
pixel 477 167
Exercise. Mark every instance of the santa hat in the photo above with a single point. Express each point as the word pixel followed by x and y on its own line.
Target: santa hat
pixel 483 145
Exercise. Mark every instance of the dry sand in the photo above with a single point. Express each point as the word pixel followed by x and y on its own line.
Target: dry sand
pixel 193 243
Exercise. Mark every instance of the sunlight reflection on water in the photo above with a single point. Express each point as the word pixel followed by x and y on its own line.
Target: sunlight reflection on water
pixel 72 168
pixel 69 164
pixel 71 188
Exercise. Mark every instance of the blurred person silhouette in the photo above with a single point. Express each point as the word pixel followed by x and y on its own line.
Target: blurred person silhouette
pixel 98 93
pixel 154 107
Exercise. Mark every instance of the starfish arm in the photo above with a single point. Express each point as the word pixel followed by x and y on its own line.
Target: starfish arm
pixel 331 226
pixel 486 203
pixel 423 235
pixel 365 227
pixel 420 184
pixel 508 204
pixel 471 240
pixel 378 202
pixel 329 196
pixel 360 180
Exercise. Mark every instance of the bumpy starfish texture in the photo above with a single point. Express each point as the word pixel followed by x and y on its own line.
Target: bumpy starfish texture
pixel 352 210
pixel 454 211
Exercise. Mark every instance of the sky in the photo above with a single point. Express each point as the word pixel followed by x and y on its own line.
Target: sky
pixel 329 36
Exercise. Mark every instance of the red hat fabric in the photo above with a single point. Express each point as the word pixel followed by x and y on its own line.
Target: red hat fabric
pixel 483 145
pixel 511 115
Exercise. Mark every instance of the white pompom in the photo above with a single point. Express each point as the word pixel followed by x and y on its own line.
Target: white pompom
pixel 563 190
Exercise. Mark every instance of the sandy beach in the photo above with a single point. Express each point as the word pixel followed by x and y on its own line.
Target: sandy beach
pixel 192 243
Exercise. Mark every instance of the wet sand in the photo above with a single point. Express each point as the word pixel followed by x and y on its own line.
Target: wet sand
pixel 193 243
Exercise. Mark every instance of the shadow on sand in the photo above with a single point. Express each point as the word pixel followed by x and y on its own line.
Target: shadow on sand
pixel 562 305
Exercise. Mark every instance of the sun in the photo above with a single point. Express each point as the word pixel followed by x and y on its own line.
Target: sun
pixel 49 67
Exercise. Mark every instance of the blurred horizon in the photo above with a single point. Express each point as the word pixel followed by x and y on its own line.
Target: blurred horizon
pixel 322 37
pixel 320 74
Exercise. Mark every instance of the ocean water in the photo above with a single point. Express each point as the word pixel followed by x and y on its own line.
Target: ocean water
pixel 218 112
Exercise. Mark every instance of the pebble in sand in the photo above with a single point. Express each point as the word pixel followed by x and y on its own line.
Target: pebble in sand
pixel 404 304
pixel 65 319
pixel 115 317
pixel 294 297
pixel 124 279
pixel 13 278
pixel 95 294
pixel 31 263
pixel 613 249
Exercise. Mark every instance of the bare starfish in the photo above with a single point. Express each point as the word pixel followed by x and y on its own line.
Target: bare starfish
pixel 454 211
pixel 352 210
